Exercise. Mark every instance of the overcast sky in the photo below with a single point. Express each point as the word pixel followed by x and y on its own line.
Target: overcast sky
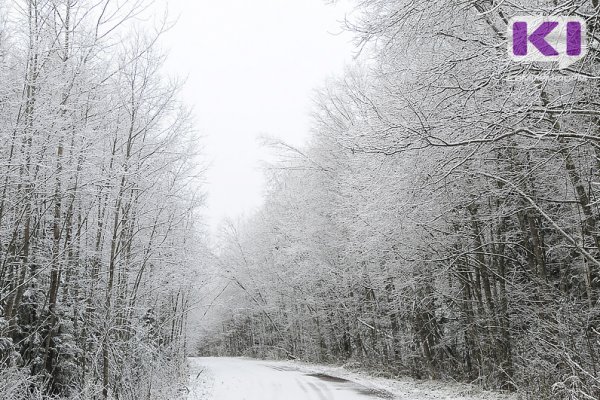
pixel 251 67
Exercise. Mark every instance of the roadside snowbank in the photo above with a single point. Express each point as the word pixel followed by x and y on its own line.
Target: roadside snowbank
pixel 403 388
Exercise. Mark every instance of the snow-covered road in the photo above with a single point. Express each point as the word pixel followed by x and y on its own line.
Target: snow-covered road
pixel 246 379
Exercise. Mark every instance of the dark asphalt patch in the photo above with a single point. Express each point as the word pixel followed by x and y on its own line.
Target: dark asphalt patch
pixel 364 390
pixel 328 378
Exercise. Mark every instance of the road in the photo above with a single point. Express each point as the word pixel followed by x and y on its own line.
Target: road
pixel 247 379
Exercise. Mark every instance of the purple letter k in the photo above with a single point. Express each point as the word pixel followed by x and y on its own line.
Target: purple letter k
pixel 537 38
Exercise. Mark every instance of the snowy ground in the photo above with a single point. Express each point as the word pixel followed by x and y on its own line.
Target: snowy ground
pixel 248 379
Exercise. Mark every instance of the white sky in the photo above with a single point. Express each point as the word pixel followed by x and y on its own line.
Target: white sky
pixel 251 67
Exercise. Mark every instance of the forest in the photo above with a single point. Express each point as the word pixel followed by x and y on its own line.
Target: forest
pixel 99 202
pixel 443 220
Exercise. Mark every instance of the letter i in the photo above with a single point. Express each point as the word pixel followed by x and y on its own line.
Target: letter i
pixel 573 38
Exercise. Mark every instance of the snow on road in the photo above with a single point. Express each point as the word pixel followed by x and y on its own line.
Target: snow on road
pixel 248 379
